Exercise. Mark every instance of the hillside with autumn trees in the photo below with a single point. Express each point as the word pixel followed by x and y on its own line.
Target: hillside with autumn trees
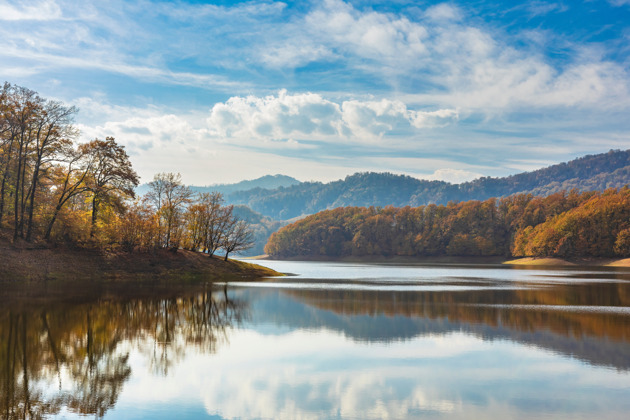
pixel 55 191
pixel 587 173
pixel 564 224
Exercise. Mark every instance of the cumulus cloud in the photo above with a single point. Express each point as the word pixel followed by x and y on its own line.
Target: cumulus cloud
pixel 454 176
pixel 457 62
pixel 275 117
pixel 138 132
pixel 340 29
pixel 312 117
pixel 439 118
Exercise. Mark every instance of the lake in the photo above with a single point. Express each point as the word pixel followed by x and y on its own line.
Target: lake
pixel 335 340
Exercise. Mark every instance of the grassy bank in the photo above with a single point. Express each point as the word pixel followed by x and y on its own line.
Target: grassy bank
pixel 28 262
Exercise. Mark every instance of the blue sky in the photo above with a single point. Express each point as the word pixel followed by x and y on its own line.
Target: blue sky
pixel 224 91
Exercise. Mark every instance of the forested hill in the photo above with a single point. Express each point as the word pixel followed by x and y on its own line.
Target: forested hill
pixel 589 173
pixel 565 225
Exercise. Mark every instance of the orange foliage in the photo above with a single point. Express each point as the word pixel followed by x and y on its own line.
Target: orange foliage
pixel 563 224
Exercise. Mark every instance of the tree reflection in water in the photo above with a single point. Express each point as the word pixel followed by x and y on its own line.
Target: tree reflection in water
pixel 82 350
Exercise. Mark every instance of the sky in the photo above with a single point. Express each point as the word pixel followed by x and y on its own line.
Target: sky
pixel 222 91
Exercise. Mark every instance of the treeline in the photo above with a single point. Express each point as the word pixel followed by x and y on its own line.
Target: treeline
pixel 171 216
pixel 589 173
pixel 568 225
pixel 57 190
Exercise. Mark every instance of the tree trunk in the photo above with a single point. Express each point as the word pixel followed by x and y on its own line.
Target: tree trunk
pixel 94 215
pixel 29 229
pixel 4 181
pixel 2 188
pixel 52 221
pixel 24 197
pixel 16 202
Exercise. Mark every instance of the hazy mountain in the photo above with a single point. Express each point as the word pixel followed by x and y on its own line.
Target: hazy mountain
pixel 262 226
pixel 268 182
pixel 265 182
pixel 592 172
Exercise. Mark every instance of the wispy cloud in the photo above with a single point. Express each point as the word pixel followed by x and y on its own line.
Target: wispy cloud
pixel 34 11
pixel 619 2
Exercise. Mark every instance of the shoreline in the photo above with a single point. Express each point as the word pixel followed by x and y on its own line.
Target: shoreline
pixel 33 263
pixel 518 261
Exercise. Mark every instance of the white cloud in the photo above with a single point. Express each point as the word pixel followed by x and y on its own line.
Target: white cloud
pixel 443 11
pixel 454 176
pixel 137 132
pixel 311 117
pixel 439 118
pixel 541 8
pixel 297 54
pixel 160 141
pixel 42 10
pixel 100 63
pixel 388 39
pixel 440 59
pixel 275 117
pixel 460 64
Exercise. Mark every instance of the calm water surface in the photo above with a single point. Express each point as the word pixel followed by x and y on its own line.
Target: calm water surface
pixel 354 341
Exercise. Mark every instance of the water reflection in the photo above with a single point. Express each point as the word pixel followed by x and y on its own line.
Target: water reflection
pixel 590 321
pixel 479 343
pixel 77 356
pixel 599 338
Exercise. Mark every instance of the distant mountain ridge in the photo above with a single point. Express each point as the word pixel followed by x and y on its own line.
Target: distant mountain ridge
pixel 269 182
pixel 591 172
pixel 272 200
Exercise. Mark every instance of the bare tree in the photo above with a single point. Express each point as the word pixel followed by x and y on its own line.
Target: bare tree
pixel 238 237
pixel 218 220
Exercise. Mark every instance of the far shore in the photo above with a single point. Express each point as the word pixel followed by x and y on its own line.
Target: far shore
pixel 524 261
pixel 592 262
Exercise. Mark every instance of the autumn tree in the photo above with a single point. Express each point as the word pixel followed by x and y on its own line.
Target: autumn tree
pixel 169 196
pixel 69 181
pixel 33 133
pixel 111 177
pixel 54 132
pixel 21 110
pixel 565 224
